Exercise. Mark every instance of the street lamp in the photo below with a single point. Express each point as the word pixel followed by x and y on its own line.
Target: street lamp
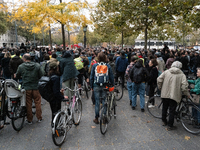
pixel 85 30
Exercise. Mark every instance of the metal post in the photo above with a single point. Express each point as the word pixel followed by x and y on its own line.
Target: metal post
pixel 16 33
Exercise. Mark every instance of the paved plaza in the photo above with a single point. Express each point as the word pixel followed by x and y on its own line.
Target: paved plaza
pixel 131 130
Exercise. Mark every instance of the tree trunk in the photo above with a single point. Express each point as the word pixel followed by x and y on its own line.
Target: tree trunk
pixel 146 32
pixel 50 40
pixel 122 39
pixel 63 30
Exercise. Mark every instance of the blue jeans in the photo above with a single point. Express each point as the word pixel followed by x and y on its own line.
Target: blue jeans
pixel 138 88
pixel 99 93
pixel 129 87
pixel 196 114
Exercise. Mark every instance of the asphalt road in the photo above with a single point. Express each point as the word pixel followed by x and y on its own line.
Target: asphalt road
pixel 132 129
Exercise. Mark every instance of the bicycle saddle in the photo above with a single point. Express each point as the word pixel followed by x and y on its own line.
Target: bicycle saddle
pixel 65 100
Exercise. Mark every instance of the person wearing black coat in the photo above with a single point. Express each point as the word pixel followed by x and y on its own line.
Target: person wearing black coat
pixel 5 65
pixel 153 75
pixel 14 63
pixel 55 104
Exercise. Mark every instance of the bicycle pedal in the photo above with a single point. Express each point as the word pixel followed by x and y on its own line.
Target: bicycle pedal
pixel 7 123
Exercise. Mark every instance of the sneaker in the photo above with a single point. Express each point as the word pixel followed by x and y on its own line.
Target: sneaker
pixel 151 106
pixel 96 121
pixel 164 124
pixel 142 110
pixel 115 115
pixel 39 120
pixel 133 108
pixel 28 122
pixel 171 128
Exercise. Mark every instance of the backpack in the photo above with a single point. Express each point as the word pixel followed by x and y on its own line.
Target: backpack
pixel 45 67
pixel 45 88
pixel 101 74
pixel 138 75
pixel 78 63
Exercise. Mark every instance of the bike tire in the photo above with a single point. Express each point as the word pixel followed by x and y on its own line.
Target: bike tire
pixel 8 112
pixel 17 120
pixel 190 118
pixel 60 129
pixel 86 89
pixel 103 122
pixel 119 88
pixel 155 111
pixel 77 110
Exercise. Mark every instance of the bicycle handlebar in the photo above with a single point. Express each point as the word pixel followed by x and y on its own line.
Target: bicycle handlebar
pixel 66 88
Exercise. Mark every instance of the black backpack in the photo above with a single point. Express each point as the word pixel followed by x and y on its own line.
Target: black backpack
pixel 45 67
pixel 45 88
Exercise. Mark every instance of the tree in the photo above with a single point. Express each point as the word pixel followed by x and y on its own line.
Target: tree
pixel 111 18
pixel 42 13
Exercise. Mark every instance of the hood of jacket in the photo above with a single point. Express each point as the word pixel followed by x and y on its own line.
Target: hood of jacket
pixel 160 58
pixel 175 70
pixel 138 65
pixel 16 58
pixel 29 65
pixel 67 54
pixel 171 59
pixel 123 57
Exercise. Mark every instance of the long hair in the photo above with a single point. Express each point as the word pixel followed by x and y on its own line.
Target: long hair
pixel 7 55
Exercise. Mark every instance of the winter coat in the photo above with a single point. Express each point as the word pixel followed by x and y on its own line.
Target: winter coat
pixel 169 63
pixel 30 72
pixel 5 66
pixel 153 75
pixel 120 64
pixel 184 61
pixel 139 73
pixel 161 64
pixel 173 84
pixel 67 67
pixel 196 87
pixel 128 69
pixel 14 64
pixel 55 80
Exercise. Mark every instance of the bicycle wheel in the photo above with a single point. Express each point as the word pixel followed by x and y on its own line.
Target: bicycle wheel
pixel 77 112
pixel 103 121
pixel 8 112
pixel 86 89
pixel 156 109
pixel 17 120
pixel 119 88
pixel 190 118
pixel 60 129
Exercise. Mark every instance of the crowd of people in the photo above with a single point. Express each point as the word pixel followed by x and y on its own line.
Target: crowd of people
pixel 142 70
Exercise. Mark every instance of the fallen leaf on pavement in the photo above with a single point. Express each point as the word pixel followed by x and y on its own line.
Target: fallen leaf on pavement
pixel 148 121
pixel 93 127
pixel 187 138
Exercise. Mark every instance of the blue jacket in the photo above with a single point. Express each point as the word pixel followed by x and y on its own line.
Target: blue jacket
pixel 110 74
pixel 90 59
pixel 121 64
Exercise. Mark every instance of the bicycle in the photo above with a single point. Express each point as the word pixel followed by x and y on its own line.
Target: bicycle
pixel 64 119
pixel 119 88
pixel 107 109
pixel 184 113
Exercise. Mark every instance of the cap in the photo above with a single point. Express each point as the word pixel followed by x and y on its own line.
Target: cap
pixel 53 65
